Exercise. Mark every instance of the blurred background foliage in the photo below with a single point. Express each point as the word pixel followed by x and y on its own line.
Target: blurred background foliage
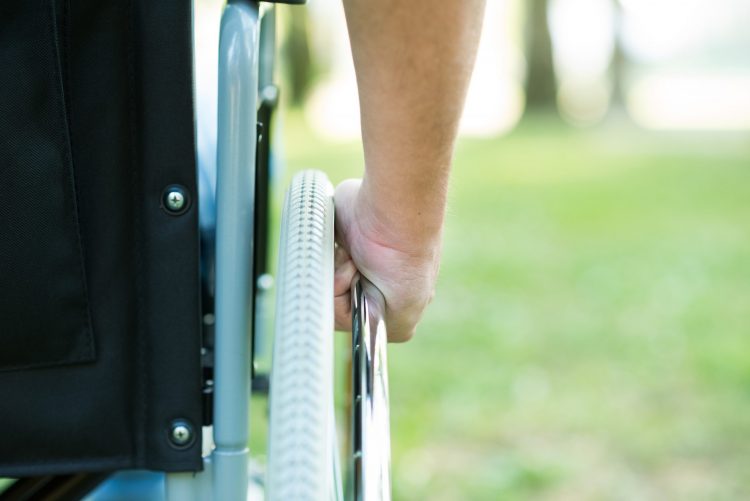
pixel 590 334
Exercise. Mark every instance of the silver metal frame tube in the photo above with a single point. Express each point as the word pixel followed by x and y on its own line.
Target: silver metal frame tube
pixel 237 136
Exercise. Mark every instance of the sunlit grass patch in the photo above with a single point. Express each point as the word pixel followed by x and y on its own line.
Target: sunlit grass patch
pixel 590 336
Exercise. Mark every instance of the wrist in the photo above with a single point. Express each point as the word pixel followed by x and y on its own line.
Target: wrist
pixel 400 221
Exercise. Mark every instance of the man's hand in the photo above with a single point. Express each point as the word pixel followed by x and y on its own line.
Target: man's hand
pixel 413 60
pixel 404 269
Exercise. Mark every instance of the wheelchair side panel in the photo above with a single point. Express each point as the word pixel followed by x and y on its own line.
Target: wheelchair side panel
pixel 113 80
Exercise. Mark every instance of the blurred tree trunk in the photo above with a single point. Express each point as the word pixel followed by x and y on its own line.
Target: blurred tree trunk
pixel 297 56
pixel 618 64
pixel 540 78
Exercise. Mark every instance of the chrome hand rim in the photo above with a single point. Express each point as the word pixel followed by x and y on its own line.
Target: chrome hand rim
pixel 371 445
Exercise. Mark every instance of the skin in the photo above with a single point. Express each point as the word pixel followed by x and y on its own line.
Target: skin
pixel 413 60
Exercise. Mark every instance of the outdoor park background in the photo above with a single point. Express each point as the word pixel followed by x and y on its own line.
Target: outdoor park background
pixel 590 336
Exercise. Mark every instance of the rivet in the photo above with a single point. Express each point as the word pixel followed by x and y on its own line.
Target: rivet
pixel 181 433
pixel 175 200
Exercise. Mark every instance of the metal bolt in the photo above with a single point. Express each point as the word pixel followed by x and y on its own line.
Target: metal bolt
pixel 174 200
pixel 181 433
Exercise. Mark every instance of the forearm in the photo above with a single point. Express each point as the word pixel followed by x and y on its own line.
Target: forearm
pixel 413 60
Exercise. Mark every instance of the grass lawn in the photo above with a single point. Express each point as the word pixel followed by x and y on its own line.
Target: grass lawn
pixel 590 337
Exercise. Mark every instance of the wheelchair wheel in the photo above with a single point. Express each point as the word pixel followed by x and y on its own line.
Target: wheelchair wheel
pixel 302 450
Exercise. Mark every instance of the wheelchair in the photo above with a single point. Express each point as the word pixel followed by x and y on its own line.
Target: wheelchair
pixel 129 330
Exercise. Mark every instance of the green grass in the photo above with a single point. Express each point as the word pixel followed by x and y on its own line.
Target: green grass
pixel 590 336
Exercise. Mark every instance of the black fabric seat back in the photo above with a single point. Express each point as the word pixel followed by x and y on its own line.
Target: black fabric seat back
pixel 99 285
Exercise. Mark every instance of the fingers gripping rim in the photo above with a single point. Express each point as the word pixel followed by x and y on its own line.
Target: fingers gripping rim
pixel 301 438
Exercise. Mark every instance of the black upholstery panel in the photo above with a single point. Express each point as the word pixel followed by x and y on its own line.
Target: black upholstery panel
pixel 123 86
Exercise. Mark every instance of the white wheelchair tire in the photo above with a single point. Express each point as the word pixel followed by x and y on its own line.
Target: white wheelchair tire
pixel 302 437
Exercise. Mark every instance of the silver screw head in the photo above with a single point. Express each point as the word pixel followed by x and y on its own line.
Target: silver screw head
pixel 181 434
pixel 174 200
